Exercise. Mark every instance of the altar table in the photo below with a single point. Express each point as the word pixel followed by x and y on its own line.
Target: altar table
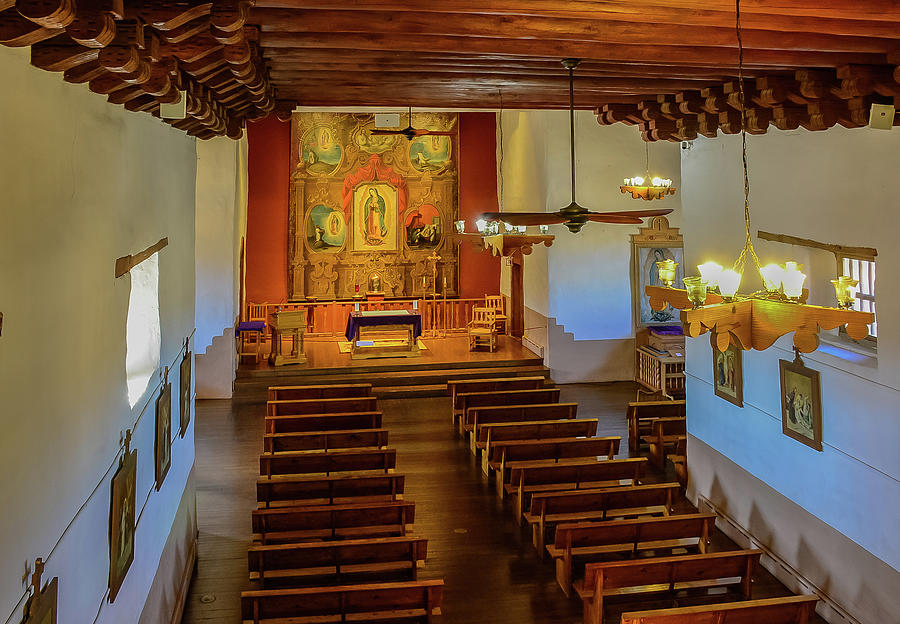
pixel 373 333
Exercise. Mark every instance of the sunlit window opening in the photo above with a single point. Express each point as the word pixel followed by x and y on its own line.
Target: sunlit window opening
pixel 864 271
pixel 142 339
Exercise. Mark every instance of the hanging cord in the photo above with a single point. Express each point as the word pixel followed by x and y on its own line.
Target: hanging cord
pixel 748 242
pixel 647 162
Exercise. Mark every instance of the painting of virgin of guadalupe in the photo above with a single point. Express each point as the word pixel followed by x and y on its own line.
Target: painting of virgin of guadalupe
pixel 375 217
pixel 320 151
pixel 326 230
pixel 430 153
pixel 648 275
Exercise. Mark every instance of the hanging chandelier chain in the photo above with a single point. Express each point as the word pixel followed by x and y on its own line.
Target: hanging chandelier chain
pixel 647 160
pixel 748 242
pixel 572 124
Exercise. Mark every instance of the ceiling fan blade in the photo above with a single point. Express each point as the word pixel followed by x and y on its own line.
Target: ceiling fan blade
pixel 635 213
pixel 385 132
pixel 525 218
pixel 434 133
pixel 606 218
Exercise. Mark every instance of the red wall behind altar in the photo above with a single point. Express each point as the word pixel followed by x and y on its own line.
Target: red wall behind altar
pixel 269 188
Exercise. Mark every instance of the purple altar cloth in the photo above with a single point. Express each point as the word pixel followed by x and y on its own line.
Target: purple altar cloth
pixel 250 326
pixel 402 317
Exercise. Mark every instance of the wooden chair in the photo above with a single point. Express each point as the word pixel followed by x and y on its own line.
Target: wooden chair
pixel 325 440
pixel 498 304
pixel 589 542
pixel 670 574
pixel 252 331
pixel 410 601
pixel 552 508
pixel 342 562
pixel 332 522
pixel 482 329
pixel 787 610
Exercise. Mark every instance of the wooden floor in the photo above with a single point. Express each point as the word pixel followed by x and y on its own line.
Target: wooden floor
pixel 491 572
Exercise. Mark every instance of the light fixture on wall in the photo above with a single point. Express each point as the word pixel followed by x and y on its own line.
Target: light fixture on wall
pixel 647 187
pixel 711 302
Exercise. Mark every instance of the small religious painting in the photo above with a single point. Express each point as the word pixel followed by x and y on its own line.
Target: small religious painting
pixel 41 607
pixel 374 143
pixel 326 229
pixel 801 403
pixel 163 444
pixel 184 393
pixel 423 227
pixel 320 150
pixel 647 275
pixel 375 217
pixel 121 522
pixel 728 374
pixel 430 152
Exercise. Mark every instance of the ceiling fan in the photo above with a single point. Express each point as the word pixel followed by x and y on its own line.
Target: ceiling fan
pixel 573 216
pixel 409 132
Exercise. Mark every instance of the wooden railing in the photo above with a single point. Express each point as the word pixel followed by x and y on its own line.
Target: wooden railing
pixel 329 318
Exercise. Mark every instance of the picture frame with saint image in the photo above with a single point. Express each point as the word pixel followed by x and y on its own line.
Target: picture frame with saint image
pixel 122 522
pixel 163 443
pixel 728 373
pixel 801 403
pixel 184 393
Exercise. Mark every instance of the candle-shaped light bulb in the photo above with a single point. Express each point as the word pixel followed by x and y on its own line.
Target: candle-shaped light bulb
pixel 793 280
pixel 710 272
pixel 657 181
pixel 773 276
pixel 480 225
pixel 844 290
pixel 729 282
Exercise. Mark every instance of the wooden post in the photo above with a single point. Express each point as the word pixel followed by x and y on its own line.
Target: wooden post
pixel 516 318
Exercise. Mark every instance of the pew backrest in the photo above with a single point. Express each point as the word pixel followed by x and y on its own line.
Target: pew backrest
pixel 640 413
pixel 321 406
pixel 469 400
pixel 491 433
pixel 327 462
pixel 313 522
pixel 633 531
pixel 408 600
pixel 604 500
pixel 332 391
pixel 496 414
pixel 786 610
pixel 325 440
pixel 303 423
pixel 556 449
pixel 462 386
pixel 292 491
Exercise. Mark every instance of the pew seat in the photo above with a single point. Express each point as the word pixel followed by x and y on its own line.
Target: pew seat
pixel 787 610
pixel 330 522
pixel 549 509
pixel 577 544
pixel 410 601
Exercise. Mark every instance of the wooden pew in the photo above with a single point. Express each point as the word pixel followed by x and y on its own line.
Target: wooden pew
pixel 469 400
pixel 305 423
pixel 576 544
pixel 322 406
pixel 641 413
pixel 459 386
pixel 294 491
pixel 342 562
pixel 514 414
pixel 325 440
pixel 527 478
pixel 327 462
pixel 663 574
pixel 328 522
pixel 552 508
pixel 679 461
pixel 665 434
pixel 488 435
pixel 550 450
pixel 413 601
pixel 787 610
pixel 334 391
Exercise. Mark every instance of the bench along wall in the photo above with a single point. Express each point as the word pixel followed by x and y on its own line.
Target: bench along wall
pixel 831 515
pixel 85 182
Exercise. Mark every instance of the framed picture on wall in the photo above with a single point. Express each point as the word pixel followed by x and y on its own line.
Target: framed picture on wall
pixel 801 403
pixel 163 443
pixel 121 521
pixel 41 607
pixel 184 393
pixel 651 245
pixel 728 373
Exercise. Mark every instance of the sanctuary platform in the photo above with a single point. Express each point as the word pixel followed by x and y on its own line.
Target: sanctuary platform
pixel 441 360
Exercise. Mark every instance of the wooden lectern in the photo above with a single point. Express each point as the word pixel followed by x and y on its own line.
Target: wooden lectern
pixel 293 323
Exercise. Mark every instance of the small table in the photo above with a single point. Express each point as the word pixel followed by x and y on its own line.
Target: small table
pixel 293 323
pixel 364 327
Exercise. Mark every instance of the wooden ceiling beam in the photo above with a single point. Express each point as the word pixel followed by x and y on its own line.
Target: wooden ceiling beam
pixel 519 28
pixel 669 54
pixel 679 12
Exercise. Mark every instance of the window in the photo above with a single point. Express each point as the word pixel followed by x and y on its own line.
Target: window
pixel 864 271
pixel 142 333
